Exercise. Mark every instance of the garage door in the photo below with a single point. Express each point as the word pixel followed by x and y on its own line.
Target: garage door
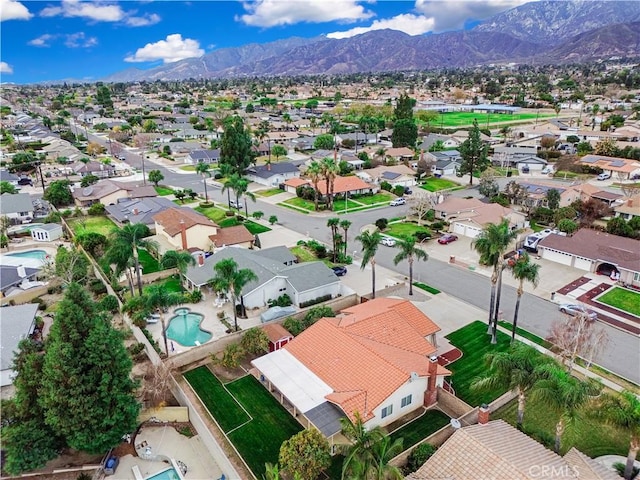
pixel 459 229
pixel 556 257
pixel 582 264
pixel 473 232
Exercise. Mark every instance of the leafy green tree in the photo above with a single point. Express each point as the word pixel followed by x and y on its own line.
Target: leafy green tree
pixel 231 356
pixel 474 153
pixel 125 243
pixel 404 107
pixel 58 193
pixel 622 410
pixel 236 148
pixel 278 151
pixel 23 162
pixel 155 177
pixel 523 270
pixel 273 219
pixel 92 242
pixel 405 133
pixel 488 186
pixel 370 242
pixel 177 259
pixel 306 454
pixel 619 226
pixel 563 394
pixel 71 265
pixel 255 341
pixel 330 170
pixel 149 126
pixel 358 455
pixel 180 195
pixel 231 280
pixel 257 214
pixel 87 390
pixel 324 142
pixel 419 456
pixel 6 187
pixel 568 226
pixel 409 252
pixel 96 209
pixel 203 169
pixel 89 179
pixel 158 297
pixel 553 199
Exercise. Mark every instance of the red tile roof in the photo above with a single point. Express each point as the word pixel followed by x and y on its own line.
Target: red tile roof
pixel 171 219
pixel 344 184
pixel 275 332
pixel 231 236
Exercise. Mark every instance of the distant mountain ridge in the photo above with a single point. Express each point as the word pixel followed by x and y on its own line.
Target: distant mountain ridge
pixel 536 32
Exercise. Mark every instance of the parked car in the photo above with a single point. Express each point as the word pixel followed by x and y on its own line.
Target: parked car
pixel 547 170
pixel 388 241
pixel 339 270
pixel 604 176
pixel 407 191
pixel 25 181
pixel 574 310
pixel 525 169
pixel 237 204
pixel 397 202
pixel 447 238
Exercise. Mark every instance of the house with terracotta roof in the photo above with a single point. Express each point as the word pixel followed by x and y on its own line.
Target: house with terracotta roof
pixel 629 209
pixel 495 449
pixel 595 251
pixel 468 216
pixel 350 185
pixel 375 359
pixel 618 168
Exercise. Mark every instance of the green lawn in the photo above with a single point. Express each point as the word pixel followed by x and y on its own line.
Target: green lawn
pixel 529 336
pixel 433 184
pixel 148 263
pixel 372 199
pixel 459 119
pixel 404 229
pixel 188 168
pixel 269 192
pixel 93 224
pixel 421 428
pixel 212 213
pixel 474 343
pixel 174 285
pixel 303 253
pixel 339 205
pixel 162 190
pixel 253 420
pixel 252 226
pixel 186 201
pixel 622 299
pixel 300 203
pixel 426 288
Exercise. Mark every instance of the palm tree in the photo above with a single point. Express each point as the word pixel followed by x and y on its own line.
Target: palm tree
pixel 344 225
pixel 333 224
pixel 159 298
pixel 128 240
pixel 231 280
pixel 203 169
pixel 491 244
pixel 370 242
pixel 623 411
pixel 314 172
pixel 410 253
pixel 563 393
pixel 384 450
pixel 231 184
pixel 358 455
pixel 330 171
pixel 180 260
pixel 515 370
pixel 523 270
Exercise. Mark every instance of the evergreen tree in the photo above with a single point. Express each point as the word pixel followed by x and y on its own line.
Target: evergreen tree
pixel 404 107
pixel 236 148
pixel 87 392
pixel 405 133
pixel 474 153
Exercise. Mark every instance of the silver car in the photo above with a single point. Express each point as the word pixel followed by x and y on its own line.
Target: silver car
pixel 575 310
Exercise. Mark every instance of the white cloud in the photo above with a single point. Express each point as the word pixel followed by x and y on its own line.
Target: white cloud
pixel 96 11
pixel 13 10
pixel 143 21
pixel 271 13
pixel 6 68
pixel 407 23
pixel 42 40
pixel 79 39
pixel 172 49
pixel 448 15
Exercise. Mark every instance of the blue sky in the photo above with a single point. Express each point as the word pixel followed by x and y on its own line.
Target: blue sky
pixel 87 40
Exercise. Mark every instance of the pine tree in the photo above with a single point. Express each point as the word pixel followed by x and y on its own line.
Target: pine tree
pixel 236 149
pixel 474 153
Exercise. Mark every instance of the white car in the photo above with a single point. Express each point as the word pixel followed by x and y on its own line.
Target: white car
pixel 398 201
pixel 604 176
pixel 237 204
pixel 388 241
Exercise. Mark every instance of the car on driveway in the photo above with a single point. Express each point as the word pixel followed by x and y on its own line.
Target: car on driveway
pixel 397 202
pixel 339 270
pixel 604 176
pixel 575 310
pixel 447 238
pixel 237 204
pixel 388 241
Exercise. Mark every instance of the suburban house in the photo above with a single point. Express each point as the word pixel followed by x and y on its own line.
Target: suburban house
pixel 335 368
pixel 495 449
pixel 17 207
pixel 468 216
pixel 14 277
pixel 446 162
pixel 98 169
pixel 108 192
pixel 293 183
pixel 236 235
pixel 395 175
pixel 430 140
pixel 278 336
pixel 138 210
pixel 16 322
pixel 629 209
pixel 529 163
pixel 537 194
pixel 203 156
pixel 351 185
pixel 400 154
pixel 272 174
pixel 595 251
pixel 6 176
pixel 48 232
pixel 618 168
pixel 277 275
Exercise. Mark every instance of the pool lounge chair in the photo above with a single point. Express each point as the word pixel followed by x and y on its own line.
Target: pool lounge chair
pixel 137 474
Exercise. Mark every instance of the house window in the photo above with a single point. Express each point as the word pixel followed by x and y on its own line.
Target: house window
pixel 405 401
pixel 386 411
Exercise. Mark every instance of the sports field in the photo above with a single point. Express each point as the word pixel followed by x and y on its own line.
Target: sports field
pixel 462 119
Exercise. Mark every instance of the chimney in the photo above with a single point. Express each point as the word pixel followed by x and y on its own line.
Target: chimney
pixel 183 234
pixel 135 211
pixel 431 395
pixel 630 202
pixel 200 259
pixel 483 414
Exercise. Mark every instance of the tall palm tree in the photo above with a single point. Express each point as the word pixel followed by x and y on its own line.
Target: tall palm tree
pixel 128 240
pixel 491 244
pixel 563 393
pixel 359 454
pixel 231 185
pixel 384 450
pixel 515 370
pixel 180 260
pixel 344 225
pixel 242 190
pixel 203 169
pixel 410 253
pixel 523 270
pixel 623 410
pixel 229 279
pixel 159 298
pixel 370 242
pixel 330 171
pixel 314 172
pixel 333 224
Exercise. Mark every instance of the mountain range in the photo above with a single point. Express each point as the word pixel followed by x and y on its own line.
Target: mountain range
pixel 544 32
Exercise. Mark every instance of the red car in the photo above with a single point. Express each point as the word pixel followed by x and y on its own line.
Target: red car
pixel 447 238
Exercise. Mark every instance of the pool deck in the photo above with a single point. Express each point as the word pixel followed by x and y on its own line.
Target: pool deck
pixel 6 257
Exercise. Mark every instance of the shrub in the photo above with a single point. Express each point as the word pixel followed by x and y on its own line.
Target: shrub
pixel 255 341
pixel 315 301
pixel 206 204
pixel 316 313
pixel 382 223
pixel 293 325
pixel 136 349
pixel 195 296
pixel 619 467
pixel 439 225
pixel 282 301
pixel 231 356
pixel 318 249
pixel 109 304
pixel 97 287
pixel 42 305
pixel 66 213
pixel 398 190
pixel 153 343
pixel 419 455
pixel 501 199
pixel 386 186
pixel 96 209
pixel 422 235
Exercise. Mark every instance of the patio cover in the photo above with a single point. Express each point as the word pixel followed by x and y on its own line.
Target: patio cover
pixel 326 418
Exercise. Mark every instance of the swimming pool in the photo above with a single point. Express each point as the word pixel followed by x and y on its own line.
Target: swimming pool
pixel 37 254
pixel 184 328
pixel 168 474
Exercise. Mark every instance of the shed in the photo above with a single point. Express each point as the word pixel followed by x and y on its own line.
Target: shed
pixel 48 232
pixel 278 336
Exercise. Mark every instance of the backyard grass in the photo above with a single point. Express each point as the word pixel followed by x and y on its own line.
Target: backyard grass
pixel 622 299
pixel 419 429
pixel 433 184
pixel 372 199
pixel 269 192
pixel 474 343
pixel 174 285
pixel 93 224
pixel 147 262
pixel 162 190
pixel 303 253
pixel 404 229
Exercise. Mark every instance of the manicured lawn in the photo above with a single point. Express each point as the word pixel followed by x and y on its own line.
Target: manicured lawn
pixel 421 428
pixel 188 168
pixel 149 263
pixel 372 199
pixel 300 203
pixel 338 205
pixel 303 253
pixel 433 184
pixel 474 343
pixel 458 119
pixel 186 201
pixel 174 285
pixel 529 336
pixel 252 226
pixel 97 224
pixel 162 190
pixel 565 174
pixel 588 435
pixel 426 288
pixel 269 192
pixel 622 299
pixel 404 229
pixel 212 213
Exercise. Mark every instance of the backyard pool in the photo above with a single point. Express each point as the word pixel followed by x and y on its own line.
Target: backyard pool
pixel 168 474
pixel 26 258
pixel 37 254
pixel 184 328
